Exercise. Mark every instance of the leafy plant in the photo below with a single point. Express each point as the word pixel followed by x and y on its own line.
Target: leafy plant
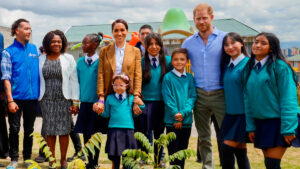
pixel 94 142
pixel 131 156
pixel 46 150
pixel 77 163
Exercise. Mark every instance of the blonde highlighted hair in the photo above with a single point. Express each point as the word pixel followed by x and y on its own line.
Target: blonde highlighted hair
pixel 200 7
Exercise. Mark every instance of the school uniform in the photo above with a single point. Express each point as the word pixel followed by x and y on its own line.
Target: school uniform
pixel 118 108
pixel 89 122
pixel 234 123
pixel 179 95
pixel 271 104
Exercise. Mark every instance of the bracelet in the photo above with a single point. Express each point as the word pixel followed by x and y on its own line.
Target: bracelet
pixel 76 104
pixel 100 101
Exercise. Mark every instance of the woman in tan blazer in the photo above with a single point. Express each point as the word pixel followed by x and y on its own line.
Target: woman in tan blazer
pixel 115 58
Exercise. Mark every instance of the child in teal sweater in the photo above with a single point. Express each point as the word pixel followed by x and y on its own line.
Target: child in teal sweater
pixel 89 122
pixel 270 100
pixel 118 108
pixel 154 66
pixel 179 94
pixel 233 130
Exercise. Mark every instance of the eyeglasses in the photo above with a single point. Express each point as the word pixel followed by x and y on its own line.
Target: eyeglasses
pixel 120 86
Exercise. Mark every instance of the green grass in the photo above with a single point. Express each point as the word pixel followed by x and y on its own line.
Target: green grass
pixel 291 159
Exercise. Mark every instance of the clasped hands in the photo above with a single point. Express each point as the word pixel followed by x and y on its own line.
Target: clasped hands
pixel 179 118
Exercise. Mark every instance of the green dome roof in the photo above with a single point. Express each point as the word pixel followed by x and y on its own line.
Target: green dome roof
pixel 175 21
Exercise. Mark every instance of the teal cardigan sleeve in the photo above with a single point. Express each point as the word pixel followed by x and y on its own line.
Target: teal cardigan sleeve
pixel 169 99
pixel 106 112
pixel 288 101
pixel 189 105
pixel 78 72
pixel 250 122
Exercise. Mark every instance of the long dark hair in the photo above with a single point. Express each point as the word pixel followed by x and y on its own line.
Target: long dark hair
pixel 161 58
pixel 225 59
pixel 274 54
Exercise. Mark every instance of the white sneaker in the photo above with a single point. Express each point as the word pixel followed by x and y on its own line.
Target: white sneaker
pixel 12 165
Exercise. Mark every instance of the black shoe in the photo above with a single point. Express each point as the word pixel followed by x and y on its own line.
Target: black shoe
pixel 2 165
pixel 199 160
pixel 72 158
pixel 40 159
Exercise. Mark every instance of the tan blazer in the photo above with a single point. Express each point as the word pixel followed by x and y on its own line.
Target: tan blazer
pixel 107 66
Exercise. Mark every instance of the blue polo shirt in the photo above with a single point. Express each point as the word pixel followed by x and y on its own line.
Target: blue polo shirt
pixel 206 60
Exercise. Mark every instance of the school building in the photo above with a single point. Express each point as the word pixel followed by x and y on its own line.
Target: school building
pixel 174 28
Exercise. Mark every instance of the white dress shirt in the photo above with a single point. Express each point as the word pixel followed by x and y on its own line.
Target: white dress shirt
pixel 94 58
pixel 119 52
pixel 262 62
pixel 156 57
pixel 178 73
pixel 124 95
pixel 237 60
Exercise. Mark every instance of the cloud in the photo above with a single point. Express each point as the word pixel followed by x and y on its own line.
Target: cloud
pixel 277 16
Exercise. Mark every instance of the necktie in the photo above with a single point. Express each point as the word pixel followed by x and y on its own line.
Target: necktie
pixel 154 62
pixel 120 97
pixel 231 66
pixel 89 60
pixel 258 66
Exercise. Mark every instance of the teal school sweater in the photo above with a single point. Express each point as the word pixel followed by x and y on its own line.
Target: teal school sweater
pixel 233 88
pixel 179 95
pixel 120 113
pixel 152 90
pixel 272 96
pixel 87 78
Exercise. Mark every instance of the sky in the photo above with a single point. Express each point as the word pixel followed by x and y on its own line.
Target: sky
pixel 281 17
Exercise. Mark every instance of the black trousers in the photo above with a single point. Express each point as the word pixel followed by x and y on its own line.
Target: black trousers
pixel 29 110
pixel 93 161
pixel 181 143
pixel 4 147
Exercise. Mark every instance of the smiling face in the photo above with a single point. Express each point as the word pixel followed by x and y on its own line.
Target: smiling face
pixel 88 46
pixel 23 32
pixel 261 47
pixel 119 86
pixel 153 49
pixel 203 20
pixel 179 61
pixel 119 32
pixel 56 45
pixel 233 48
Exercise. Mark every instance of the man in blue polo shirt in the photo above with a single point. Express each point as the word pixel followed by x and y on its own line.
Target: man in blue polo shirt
pixel 205 50
pixel 20 75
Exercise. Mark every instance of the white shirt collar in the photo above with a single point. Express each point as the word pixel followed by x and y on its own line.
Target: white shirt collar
pixel 262 62
pixel 123 48
pixel 237 60
pixel 124 95
pixel 178 73
pixel 157 59
pixel 94 58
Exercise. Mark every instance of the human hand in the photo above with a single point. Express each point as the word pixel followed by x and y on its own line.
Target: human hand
pixel 13 107
pixel 98 108
pixel 178 125
pixel 178 117
pixel 138 100
pixel 136 109
pixel 289 139
pixel 251 136
pixel 74 109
